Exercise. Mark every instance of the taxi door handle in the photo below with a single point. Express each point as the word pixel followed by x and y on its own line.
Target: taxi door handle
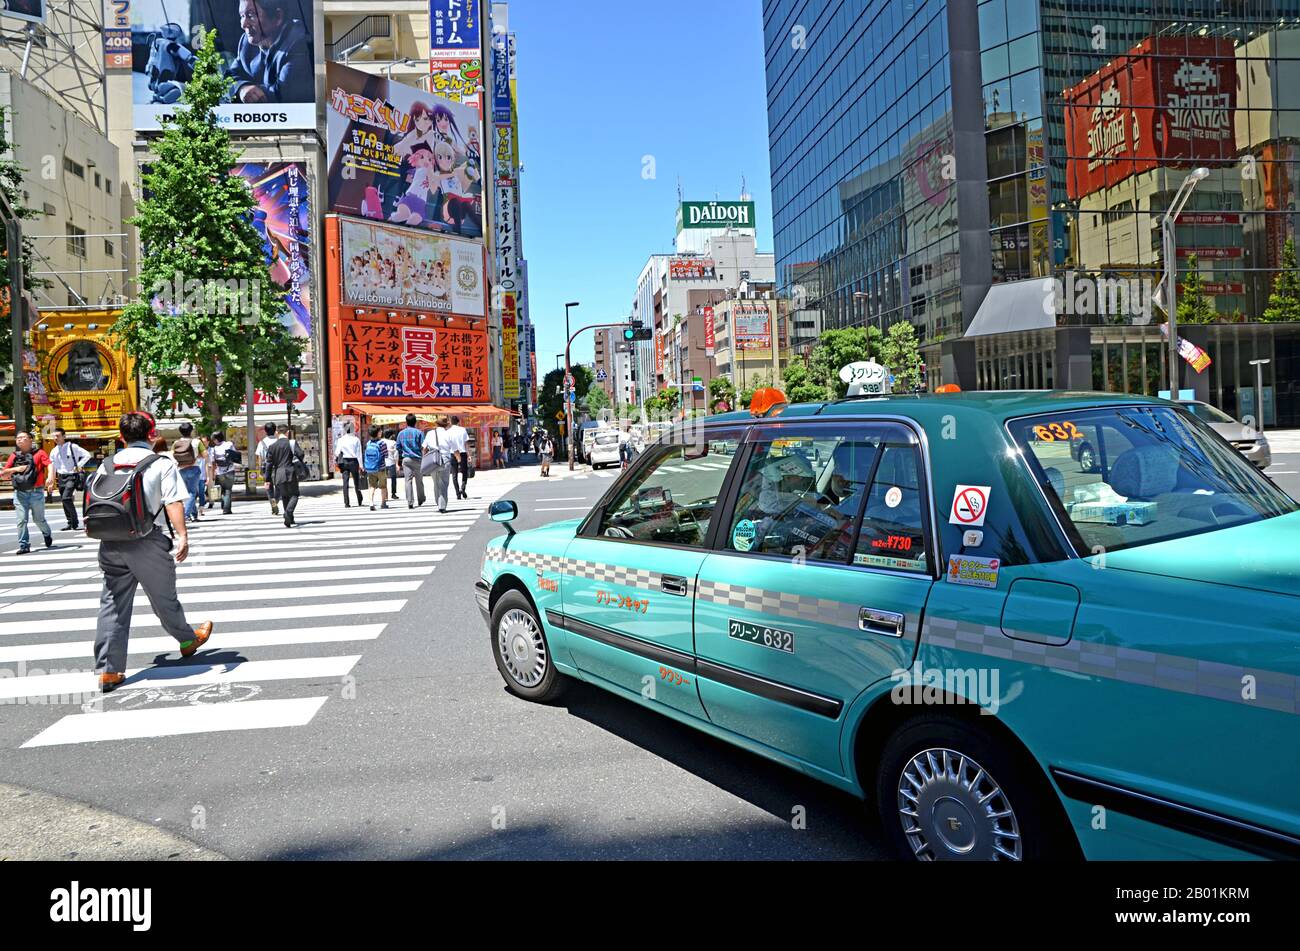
pixel 674 585
pixel 886 623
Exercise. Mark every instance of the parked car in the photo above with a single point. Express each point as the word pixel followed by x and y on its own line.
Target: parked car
pixel 935 612
pixel 1247 440
pixel 605 448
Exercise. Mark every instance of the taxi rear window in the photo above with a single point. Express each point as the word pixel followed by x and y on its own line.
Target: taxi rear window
pixel 1133 475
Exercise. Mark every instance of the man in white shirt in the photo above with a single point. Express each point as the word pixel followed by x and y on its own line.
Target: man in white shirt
pixel 458 442
pixel 347 459
pixel 144 561
pixel 66 459
pixel 438 460
pixel 267 442
pixel 221 459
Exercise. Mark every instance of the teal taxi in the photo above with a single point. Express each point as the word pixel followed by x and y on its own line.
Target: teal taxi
pixel 931 603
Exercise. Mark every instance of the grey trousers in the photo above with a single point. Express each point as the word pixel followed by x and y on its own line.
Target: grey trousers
pixel 411 472
pixel 125 565
pixel 441 483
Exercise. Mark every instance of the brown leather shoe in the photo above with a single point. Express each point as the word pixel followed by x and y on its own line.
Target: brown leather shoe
pixel 110 682
pixel 201 635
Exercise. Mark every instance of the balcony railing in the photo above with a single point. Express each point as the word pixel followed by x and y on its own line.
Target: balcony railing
pixel 370 28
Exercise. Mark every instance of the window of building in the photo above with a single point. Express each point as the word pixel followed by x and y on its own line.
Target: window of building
pixel 98 180
pixel 76 241
pixel 108 248
pixel 73 168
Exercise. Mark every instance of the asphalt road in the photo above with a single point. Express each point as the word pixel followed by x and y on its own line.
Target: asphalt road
pixel 415 750
pixel 422 753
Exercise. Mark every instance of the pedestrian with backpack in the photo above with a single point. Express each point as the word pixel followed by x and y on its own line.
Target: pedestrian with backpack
pixel 186 453
pixel 28 467
pixel 375 460
pixel 224 457
pixel 130 501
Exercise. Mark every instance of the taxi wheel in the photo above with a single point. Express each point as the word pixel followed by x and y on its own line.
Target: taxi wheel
pixel 521 651
pixel 948 791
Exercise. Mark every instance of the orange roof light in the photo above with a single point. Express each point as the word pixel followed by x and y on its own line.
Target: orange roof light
pixel 767 402
pixel 949 388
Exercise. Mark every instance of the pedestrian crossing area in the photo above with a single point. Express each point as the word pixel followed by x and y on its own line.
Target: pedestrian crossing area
pixel 702 466
pixel 293 611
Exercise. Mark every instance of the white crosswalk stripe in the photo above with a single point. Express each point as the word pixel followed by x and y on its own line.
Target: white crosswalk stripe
pixel 260 584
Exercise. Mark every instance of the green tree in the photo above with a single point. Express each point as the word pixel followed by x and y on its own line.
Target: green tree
pixel 665 403
pixel 799 385
pixel 196 229
pixel 1284 302
pixel 597 400
pixel 835 350
pixel 721 390
pixel 901 352
pixel 11 181
pixel 1194 305
pixel 754 383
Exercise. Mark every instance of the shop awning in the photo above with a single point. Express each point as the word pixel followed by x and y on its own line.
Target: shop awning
pixel 1019 305
pixel 475 415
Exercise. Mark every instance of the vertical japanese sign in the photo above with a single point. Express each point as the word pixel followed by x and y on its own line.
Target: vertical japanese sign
pixel 709 339
pixel 532 375
pixel 117 35
pixel 509 348
pixel 455 53
pixel 659 353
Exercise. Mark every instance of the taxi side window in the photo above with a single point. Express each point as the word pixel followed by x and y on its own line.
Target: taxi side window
pixel 672 500
pixel 800 497
pixel 893 530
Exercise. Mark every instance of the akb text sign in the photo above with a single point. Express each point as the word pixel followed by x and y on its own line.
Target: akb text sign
pixel 700 215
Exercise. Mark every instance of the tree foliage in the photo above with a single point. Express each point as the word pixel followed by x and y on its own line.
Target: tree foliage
pixel 835 350
pixel 721 392
pixel 799 384
pixel 901 353
pixel 1194 305
pixel 1284 302
pixel 550 403
pixel 753 384
pixel 220 317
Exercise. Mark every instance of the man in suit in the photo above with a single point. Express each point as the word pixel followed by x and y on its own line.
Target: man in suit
pixel 282 458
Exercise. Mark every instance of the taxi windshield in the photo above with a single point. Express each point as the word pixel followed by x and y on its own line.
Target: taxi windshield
pixel 1133 475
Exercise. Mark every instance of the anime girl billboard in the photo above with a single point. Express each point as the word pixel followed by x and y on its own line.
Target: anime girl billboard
pixel 400 155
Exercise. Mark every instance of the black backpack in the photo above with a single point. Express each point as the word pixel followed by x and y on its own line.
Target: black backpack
pixel 114 509
pixel 24 481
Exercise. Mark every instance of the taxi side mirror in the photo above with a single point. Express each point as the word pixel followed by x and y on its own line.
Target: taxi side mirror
pixel 504 512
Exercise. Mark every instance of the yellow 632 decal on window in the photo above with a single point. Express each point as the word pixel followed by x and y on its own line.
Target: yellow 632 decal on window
pixel 1058 432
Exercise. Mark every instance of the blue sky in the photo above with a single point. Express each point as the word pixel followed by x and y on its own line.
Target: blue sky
pixel 602 85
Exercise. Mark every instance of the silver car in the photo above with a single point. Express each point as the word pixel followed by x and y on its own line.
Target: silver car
pixel 1245 439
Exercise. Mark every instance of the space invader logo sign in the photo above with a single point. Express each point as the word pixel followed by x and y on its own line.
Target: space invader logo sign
pixel 970 506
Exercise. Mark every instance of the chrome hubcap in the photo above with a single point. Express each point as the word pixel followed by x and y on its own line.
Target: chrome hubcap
pixel 952 809
pixel 522 648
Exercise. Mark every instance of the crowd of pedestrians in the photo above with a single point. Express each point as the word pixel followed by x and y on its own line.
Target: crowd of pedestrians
pixel 441 454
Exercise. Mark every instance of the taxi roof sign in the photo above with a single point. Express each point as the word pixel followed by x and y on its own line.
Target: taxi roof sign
pixel 867 378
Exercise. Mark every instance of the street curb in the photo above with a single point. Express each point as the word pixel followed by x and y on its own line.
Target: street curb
pixel 36 826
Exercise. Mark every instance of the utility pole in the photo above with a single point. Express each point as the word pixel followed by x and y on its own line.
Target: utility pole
pixel 569 397
pixel 17 306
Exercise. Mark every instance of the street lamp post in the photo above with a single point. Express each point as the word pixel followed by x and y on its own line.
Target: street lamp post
pixel 1171 268
pixel 1259 392
pixel 17 306
pixel 568 375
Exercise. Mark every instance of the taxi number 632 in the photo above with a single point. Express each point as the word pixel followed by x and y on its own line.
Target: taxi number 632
pixel 771 637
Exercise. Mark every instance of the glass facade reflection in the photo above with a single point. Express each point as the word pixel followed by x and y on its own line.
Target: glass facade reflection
pixel 1091 114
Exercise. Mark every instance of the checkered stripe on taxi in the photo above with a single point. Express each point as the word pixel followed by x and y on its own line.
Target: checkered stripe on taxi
pixel 1202 678
pixel 779 603
pixel 591 570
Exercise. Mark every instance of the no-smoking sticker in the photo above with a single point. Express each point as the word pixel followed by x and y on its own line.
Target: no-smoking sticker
pixel 970 505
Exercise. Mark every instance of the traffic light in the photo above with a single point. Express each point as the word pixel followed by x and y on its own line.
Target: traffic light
pixel 295 380
pixel 634 331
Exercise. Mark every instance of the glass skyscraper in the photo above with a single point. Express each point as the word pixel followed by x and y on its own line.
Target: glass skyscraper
pixel 996 173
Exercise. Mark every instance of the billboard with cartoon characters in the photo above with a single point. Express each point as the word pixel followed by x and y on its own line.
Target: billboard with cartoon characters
pixel 283 215
pixel 400 155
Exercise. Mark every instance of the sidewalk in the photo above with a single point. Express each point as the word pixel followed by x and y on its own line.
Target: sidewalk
pixel 35 826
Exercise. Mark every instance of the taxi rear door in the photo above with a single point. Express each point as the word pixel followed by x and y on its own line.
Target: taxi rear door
pixel 816 588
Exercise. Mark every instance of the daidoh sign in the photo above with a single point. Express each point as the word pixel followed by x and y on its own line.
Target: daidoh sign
pixel 699 215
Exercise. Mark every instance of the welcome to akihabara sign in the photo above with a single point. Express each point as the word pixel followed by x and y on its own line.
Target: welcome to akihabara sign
pixel 701 215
